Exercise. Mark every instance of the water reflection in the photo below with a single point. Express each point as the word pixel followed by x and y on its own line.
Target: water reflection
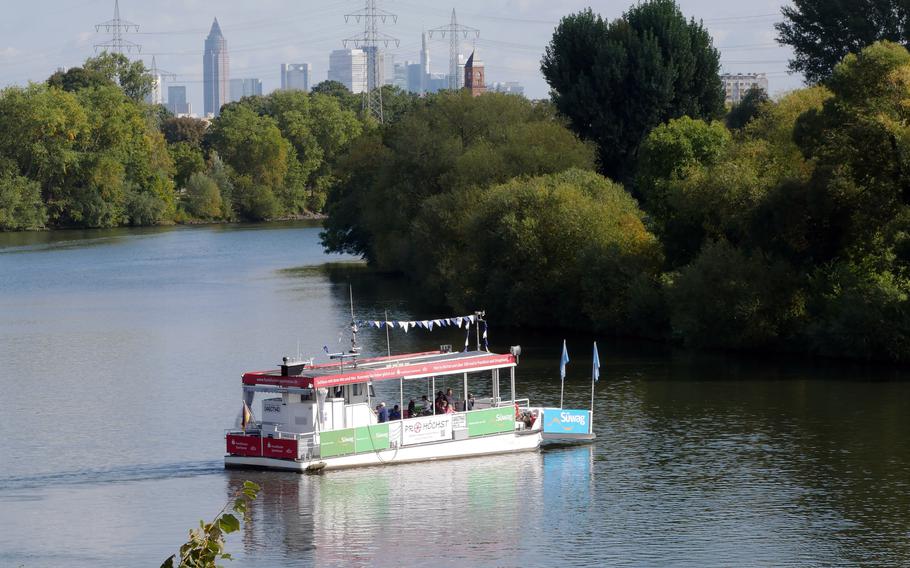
pixel 475 510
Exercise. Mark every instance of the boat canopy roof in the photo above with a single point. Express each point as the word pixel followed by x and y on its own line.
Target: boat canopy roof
pixel 408 366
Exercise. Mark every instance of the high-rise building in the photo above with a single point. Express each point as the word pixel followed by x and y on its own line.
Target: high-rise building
pixel 424 64
pixel 349 67
pixel 417 80
pixel 473 75
pixel 176 100
pixel 737 84
pixel 296 76
pixel 508 87
pixel 245 88
pixel 400 75
pixel 216 71
pixel 373 52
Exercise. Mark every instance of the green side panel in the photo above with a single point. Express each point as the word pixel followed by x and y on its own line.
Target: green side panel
pixel 371 438
pixel 491 421
pixel 337 443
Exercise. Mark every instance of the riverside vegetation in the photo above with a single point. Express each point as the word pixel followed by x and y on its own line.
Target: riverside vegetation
pixel 632 202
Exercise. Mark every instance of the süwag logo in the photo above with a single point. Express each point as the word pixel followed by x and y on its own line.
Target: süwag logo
pixel 572 418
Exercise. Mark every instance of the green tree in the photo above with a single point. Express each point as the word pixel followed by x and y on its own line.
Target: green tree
pixel 20 203
pixel 822 32
pixel 615 81
pixel 258 154
pixel 560 249
pixel 184 129
pixel 747 108
pixel 203 197
pixel 450 142
pixel 77 78
pixel 132 76
pixel 188 160
pixel 205 546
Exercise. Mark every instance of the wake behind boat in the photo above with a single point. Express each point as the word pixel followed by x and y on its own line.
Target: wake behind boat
pixel 322 417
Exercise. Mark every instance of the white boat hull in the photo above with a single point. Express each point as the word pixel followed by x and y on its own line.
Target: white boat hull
pixel 494 444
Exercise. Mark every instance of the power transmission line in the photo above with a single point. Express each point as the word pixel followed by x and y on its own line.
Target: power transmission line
pixel 369 41
pixel 454 29
pixel 117 27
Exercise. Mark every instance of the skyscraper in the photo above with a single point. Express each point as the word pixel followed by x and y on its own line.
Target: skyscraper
pixel 215 70
pixel 176 100
pixel 424 64
pixel 349 67
pixel 296 76
pixel 245 88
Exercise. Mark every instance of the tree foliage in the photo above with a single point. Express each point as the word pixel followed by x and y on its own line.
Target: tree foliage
pixel 615 81
pixel 747 108
pixel 822 32
pixel 205 546
pixel 450 143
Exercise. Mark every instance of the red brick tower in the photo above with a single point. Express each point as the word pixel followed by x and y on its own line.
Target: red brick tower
pixel 473 76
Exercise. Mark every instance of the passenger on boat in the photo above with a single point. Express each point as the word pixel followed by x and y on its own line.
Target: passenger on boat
pixel 470 401
pixel 395 414
pixel 427 409
pixel 438 407
pixel 450 397
pixel 447 408
pixel 412 410
pixel 382 412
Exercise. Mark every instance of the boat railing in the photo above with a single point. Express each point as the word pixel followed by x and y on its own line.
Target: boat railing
pixel 521 402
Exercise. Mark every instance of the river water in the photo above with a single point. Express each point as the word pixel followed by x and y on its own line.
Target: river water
pixel 120 357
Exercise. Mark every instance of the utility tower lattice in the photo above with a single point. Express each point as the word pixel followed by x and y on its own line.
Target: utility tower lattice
pixel 454 30
pixel 160 75
pixel 369 41
pixel 117 27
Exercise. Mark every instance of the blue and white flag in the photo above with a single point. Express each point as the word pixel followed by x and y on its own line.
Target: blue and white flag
pixel 595 373
pixel 564 361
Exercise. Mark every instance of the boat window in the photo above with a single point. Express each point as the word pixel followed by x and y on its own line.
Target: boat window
pixel 356 390
pixel 372 392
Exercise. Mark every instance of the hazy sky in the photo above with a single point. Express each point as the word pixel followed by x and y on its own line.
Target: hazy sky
pixel 38 37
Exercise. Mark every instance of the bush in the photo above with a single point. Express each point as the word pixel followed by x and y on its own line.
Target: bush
pixel 203 198
pixel 20 204
pixel 561 249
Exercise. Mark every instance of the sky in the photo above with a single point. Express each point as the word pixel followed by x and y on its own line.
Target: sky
pixel 41 36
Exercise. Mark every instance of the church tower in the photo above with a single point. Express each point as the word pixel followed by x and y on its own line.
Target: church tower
pixel 473 75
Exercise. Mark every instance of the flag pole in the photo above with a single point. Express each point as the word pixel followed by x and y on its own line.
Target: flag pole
pixel 595 374
pixel 563 361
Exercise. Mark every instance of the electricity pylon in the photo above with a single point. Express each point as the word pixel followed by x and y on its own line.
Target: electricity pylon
pixel 369 41
pixel 454 30
pixel 117 27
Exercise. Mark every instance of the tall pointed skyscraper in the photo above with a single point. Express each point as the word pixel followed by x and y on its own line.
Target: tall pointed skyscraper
pixel 216 71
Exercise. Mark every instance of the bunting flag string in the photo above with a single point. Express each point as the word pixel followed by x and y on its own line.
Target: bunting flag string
pixel 459 322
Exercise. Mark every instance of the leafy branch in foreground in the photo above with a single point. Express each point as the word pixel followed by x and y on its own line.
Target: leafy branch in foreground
pixel 206 544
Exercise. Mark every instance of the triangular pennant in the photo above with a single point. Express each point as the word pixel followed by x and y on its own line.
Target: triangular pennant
pixel 430 325
pixel 458 322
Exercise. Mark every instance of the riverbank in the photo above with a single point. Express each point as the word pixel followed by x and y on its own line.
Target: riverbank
pixel 306 216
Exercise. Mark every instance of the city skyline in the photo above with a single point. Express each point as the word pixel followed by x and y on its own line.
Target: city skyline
pixel 273 32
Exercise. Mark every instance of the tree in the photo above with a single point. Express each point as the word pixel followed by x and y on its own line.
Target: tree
pixel 254 148
pixel 747 108
pixel 77 78
pixel 615 81
pixel 132 76
pixel 184 129
pixel 561 249
pixel 20 203
pixel 188 160
pixel 203 197
pixel 449 143
pixel 205 546
pixel 822 32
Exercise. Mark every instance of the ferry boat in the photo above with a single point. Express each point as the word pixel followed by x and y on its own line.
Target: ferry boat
pixel 317 417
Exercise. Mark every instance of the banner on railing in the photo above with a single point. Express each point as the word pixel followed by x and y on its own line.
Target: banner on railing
pixel 491 421
pixel 566 421
pixel 426 429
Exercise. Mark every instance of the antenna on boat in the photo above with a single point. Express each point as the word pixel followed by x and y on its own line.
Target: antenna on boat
pixel 354 348
pixel 388 343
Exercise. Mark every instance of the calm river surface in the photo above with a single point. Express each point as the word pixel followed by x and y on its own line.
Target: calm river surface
pixel 120 358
